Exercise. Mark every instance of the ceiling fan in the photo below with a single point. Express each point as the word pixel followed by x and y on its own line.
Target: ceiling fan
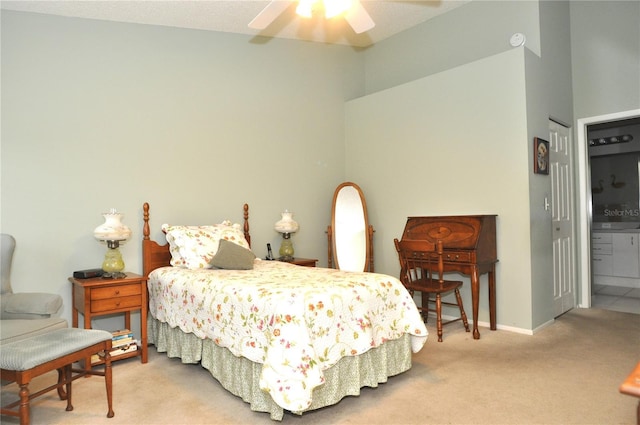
pixel 352 10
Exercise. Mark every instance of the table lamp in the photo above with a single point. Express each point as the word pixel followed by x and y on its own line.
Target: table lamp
pixel 113 233
pixel 286 226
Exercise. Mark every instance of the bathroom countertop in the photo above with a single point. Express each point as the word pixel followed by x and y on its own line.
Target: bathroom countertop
pixel 600 230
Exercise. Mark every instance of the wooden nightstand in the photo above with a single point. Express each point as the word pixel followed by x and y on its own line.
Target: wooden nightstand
pixel 307 262
pixel 98 297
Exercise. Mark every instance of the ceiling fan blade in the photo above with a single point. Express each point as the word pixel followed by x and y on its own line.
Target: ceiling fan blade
pixel 269 14
pixel 359 18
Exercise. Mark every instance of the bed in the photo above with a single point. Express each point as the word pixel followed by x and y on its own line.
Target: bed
pixel 280 336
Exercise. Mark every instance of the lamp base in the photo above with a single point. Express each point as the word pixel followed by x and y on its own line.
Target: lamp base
pixel 113 263
pixel 286 248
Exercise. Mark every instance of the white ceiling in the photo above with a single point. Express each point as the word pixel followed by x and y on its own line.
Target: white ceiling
pixel 391 16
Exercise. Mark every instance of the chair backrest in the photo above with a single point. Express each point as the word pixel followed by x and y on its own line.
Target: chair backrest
pixel 7 246
pixel 419 260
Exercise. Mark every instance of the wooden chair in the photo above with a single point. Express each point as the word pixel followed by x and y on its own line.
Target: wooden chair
pixel 422 270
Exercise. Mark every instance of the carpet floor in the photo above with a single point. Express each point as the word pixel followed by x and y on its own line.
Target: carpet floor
pixel 567 373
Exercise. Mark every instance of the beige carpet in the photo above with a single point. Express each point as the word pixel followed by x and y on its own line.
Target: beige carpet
pixel 568 373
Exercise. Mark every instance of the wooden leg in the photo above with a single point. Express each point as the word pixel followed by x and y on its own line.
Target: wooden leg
pixel 67 376
pixel 492 298
pixel 425 306
pixel 475 298
pixel 87 360
pixel 127 320
pixel 61 391
pixel 108 382
pixel 439 316
pixel 74 311
pixel 462 313
pixel 24 404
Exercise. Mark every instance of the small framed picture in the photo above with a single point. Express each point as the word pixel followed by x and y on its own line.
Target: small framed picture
pixel 540 156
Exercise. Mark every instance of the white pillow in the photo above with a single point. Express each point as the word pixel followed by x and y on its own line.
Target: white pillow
pixel 193 247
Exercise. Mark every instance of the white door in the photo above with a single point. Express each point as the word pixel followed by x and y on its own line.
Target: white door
pixel 562 208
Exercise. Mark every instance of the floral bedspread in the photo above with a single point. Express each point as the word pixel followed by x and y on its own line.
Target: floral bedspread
pixel 296 321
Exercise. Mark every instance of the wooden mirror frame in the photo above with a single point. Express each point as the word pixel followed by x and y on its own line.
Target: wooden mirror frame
pixel 349 195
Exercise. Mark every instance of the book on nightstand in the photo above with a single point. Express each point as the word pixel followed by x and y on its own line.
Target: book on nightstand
pixel 122 342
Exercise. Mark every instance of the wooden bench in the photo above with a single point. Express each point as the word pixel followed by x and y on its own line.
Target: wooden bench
pixel 23 360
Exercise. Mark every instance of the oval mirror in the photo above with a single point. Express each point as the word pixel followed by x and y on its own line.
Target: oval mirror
pixel 350 235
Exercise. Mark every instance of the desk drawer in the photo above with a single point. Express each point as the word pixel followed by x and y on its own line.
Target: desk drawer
pixel 458 256
pixel 113 304
pixel 115 291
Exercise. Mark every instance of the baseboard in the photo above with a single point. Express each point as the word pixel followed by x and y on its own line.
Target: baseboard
pixel 511 328
pixel 504 327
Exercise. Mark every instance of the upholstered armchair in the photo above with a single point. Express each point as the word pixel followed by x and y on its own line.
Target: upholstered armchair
pixel 22 305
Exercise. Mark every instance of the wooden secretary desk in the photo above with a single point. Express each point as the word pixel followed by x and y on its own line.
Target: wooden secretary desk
pixel 469 247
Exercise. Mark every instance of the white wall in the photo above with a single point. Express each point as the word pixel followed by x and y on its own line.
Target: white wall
pixel 555 38
pixel 452 143
pixel 100 114
pixel 605 48
pixel 540 218
pixel 466 34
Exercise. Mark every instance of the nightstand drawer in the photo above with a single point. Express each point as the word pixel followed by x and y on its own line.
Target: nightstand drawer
pixel 115 291
pixel 115 303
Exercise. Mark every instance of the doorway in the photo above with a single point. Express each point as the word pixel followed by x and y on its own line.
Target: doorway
pixel 585 211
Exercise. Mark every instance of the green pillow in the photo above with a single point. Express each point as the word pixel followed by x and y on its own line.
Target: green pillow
pixel 232 256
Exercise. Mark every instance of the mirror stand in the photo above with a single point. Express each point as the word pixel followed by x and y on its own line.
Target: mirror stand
pixel 350 236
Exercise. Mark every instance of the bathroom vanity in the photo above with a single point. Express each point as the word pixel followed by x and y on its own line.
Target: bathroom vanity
pixel 616 257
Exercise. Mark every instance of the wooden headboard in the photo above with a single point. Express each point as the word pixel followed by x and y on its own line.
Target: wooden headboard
pixel 155 255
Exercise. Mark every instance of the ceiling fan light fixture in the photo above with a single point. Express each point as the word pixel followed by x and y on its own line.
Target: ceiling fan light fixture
pixel 352 11
pixel 305 8
pixel 333 8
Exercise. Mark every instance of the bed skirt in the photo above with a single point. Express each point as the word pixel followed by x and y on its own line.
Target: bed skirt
pixel 241 376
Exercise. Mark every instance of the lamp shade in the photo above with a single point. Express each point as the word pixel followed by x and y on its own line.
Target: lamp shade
pixel 112 229
pixel 287 224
